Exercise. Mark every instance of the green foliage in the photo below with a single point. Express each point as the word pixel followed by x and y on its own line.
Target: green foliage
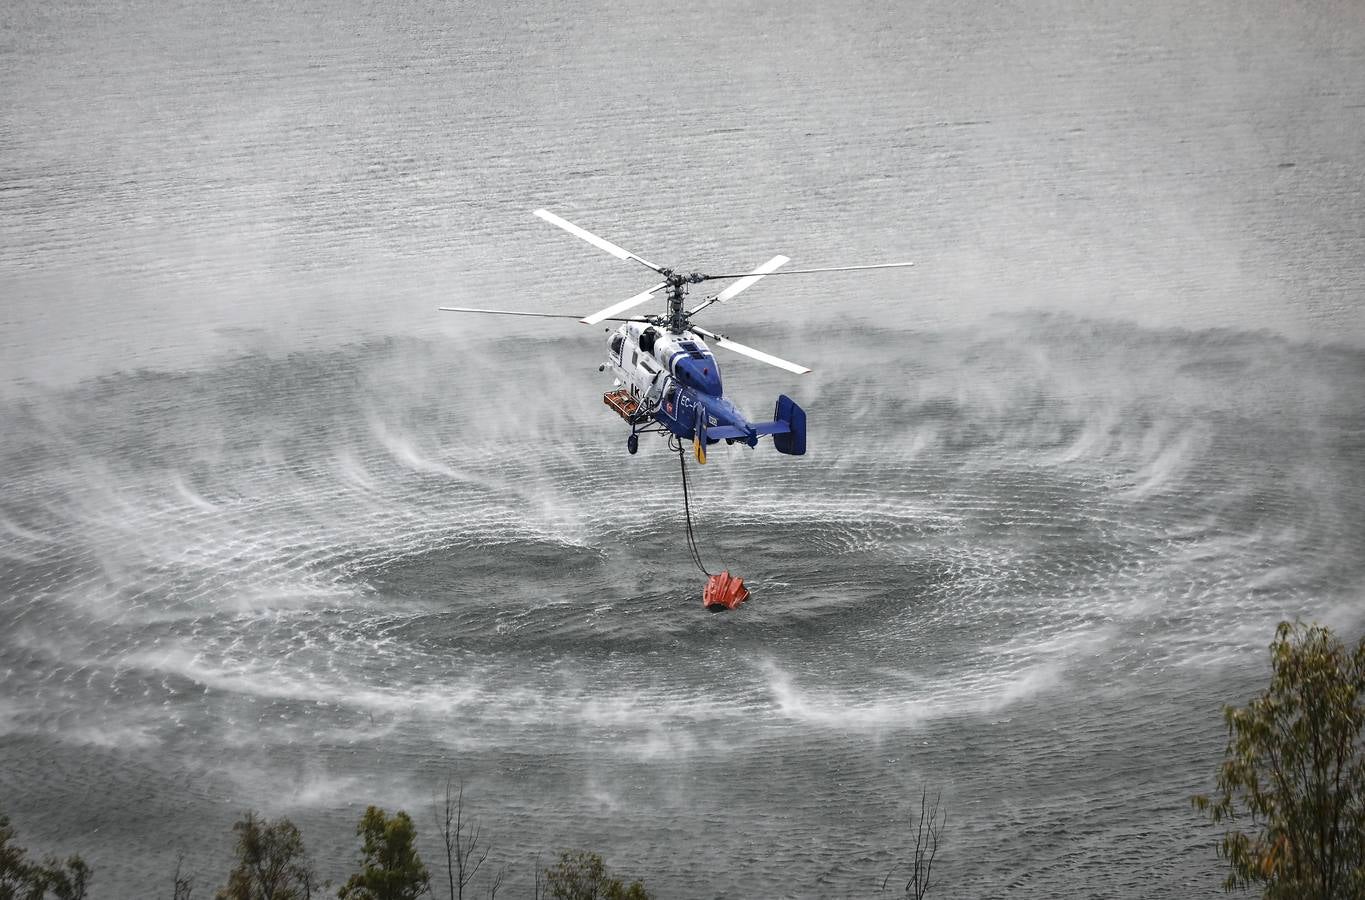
pixel 1295 769
pixel 14 867
pixel 392 870
pixel 271 863
pixel 581 875
pixel 24 880
pixel 65 881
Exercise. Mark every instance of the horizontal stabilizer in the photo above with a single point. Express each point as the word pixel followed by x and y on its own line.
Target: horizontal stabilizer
pixel 772 428
pixel 720 432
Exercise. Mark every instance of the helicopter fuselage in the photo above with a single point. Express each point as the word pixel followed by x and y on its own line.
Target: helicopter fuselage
pixel 676 377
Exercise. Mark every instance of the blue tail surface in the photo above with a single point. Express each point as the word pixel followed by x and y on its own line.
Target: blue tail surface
pixel 788 427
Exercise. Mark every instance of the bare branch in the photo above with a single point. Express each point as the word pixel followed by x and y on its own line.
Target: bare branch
pixel 928 834
pixel 887 879
pixel 496 882
pixel 465 854
pixel 184 885
pixel 444 819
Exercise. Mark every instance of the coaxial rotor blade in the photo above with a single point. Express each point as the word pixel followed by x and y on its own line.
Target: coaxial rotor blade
pixel 746 281
pixel 622 306
pixel 808 271
pixel 601 243
pixel 745 350
pixel 468 309
pixel 510 312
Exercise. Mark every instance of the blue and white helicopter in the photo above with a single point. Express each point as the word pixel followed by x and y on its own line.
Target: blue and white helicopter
pixel 666 378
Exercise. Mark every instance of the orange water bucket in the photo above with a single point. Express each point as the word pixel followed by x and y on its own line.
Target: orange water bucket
pixel 724 591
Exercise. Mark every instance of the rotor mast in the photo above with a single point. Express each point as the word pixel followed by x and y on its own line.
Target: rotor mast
pixel 675 320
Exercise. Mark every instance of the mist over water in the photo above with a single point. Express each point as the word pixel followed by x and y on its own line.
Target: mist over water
pixel 279 537
pixel 265 597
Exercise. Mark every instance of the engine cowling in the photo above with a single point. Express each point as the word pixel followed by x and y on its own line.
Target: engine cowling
pixel 690 361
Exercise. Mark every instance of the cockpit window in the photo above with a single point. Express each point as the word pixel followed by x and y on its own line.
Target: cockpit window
pixel 616 344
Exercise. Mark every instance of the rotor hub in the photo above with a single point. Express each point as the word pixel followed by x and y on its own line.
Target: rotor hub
pixel 676 317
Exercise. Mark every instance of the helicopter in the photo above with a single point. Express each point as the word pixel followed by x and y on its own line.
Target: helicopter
pixel 666 379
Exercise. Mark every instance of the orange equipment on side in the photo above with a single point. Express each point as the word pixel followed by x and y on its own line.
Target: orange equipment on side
pixel 621 401
pixel 724 591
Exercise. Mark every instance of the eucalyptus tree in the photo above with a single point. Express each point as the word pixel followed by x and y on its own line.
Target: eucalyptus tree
pixel 1291 788
pixel 272 863
pixel 582 875
pixel 391 868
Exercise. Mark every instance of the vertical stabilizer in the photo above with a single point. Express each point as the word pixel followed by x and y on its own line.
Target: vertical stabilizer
pixel 793 442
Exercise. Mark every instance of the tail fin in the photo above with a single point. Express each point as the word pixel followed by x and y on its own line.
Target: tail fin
pixel 793 441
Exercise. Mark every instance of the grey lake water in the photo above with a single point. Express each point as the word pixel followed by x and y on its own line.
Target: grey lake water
pixel 279 536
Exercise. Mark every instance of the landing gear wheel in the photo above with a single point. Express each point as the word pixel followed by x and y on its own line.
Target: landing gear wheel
pixel 633 443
